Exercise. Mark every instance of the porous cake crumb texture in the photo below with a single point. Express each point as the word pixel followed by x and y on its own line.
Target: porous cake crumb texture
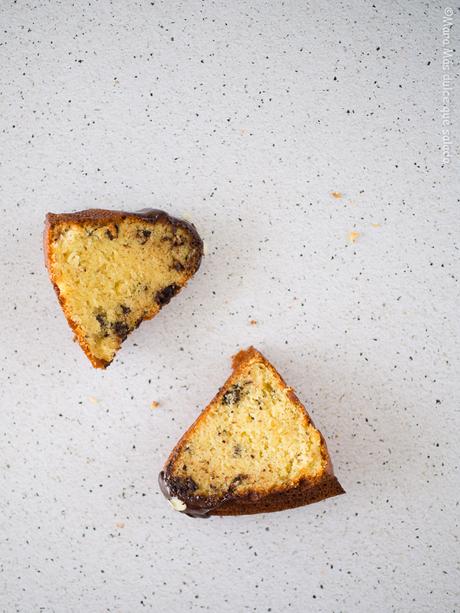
pixel 253 438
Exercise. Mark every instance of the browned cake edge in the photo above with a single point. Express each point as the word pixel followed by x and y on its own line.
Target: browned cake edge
pixel 103 216
pixel 303 493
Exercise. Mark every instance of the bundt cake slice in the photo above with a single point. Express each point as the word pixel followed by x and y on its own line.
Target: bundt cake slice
pixel 253 449
pixel 111 270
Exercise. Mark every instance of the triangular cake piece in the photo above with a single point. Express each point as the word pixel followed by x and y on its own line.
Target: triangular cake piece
pixel 111 270
pixel 253 449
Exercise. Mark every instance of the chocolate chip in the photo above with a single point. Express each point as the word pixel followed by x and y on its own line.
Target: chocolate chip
pixel 237 480
pixel 183 487
pixel 178 241
pixel 143 235
pixel 112 232
pixel 178 266
pixel 121 329
pixel 101 319
pixel 237 451
pixel 232 395
pixel 164 296
pixel 125 309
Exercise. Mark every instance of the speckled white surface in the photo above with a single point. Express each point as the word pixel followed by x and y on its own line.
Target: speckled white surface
pixel 243 116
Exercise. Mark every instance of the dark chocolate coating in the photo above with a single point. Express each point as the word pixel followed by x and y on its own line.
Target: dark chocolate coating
pixel 191 510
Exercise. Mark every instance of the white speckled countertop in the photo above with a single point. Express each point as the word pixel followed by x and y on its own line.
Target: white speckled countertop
pixel 244 117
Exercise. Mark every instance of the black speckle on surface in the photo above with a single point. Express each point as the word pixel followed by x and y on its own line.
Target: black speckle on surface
pixel 125 309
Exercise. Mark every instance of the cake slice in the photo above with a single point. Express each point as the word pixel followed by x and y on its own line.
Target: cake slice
pixel 111 270
pixel 253 449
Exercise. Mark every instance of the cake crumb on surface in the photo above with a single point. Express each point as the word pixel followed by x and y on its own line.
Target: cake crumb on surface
pixel 376 225
pixel 337 195
pixel 93 400
pixel 120 524
pixel 253 322
pixel 154 404
pixel 353 236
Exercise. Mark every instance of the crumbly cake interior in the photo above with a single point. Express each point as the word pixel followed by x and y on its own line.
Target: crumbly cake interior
pixel 253 440
pixel 111 276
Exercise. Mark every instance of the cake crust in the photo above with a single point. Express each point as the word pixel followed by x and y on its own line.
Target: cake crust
pixel 304 492
pixel 101 217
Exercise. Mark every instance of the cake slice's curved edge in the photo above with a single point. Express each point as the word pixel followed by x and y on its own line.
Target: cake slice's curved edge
pixel 303 493
pixel 103 216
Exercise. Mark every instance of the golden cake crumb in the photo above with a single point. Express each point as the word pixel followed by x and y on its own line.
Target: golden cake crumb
pixel 337 195
pixel 353 236
pixel 154 404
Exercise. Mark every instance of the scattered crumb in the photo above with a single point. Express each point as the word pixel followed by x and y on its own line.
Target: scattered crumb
pixel 154 404
pixel 120 524
pixel 376 225
pixel 353 236
pixel 253 322
pixel 337 195
pixel 93 400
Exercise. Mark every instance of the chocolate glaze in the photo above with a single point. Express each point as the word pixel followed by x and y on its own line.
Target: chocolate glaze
pixel 192 510
pixel 197 506
pixel 154 214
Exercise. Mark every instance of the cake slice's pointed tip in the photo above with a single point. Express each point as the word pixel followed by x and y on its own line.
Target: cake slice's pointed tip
pixel 254 449
pixel 96 362
pixel 245 355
